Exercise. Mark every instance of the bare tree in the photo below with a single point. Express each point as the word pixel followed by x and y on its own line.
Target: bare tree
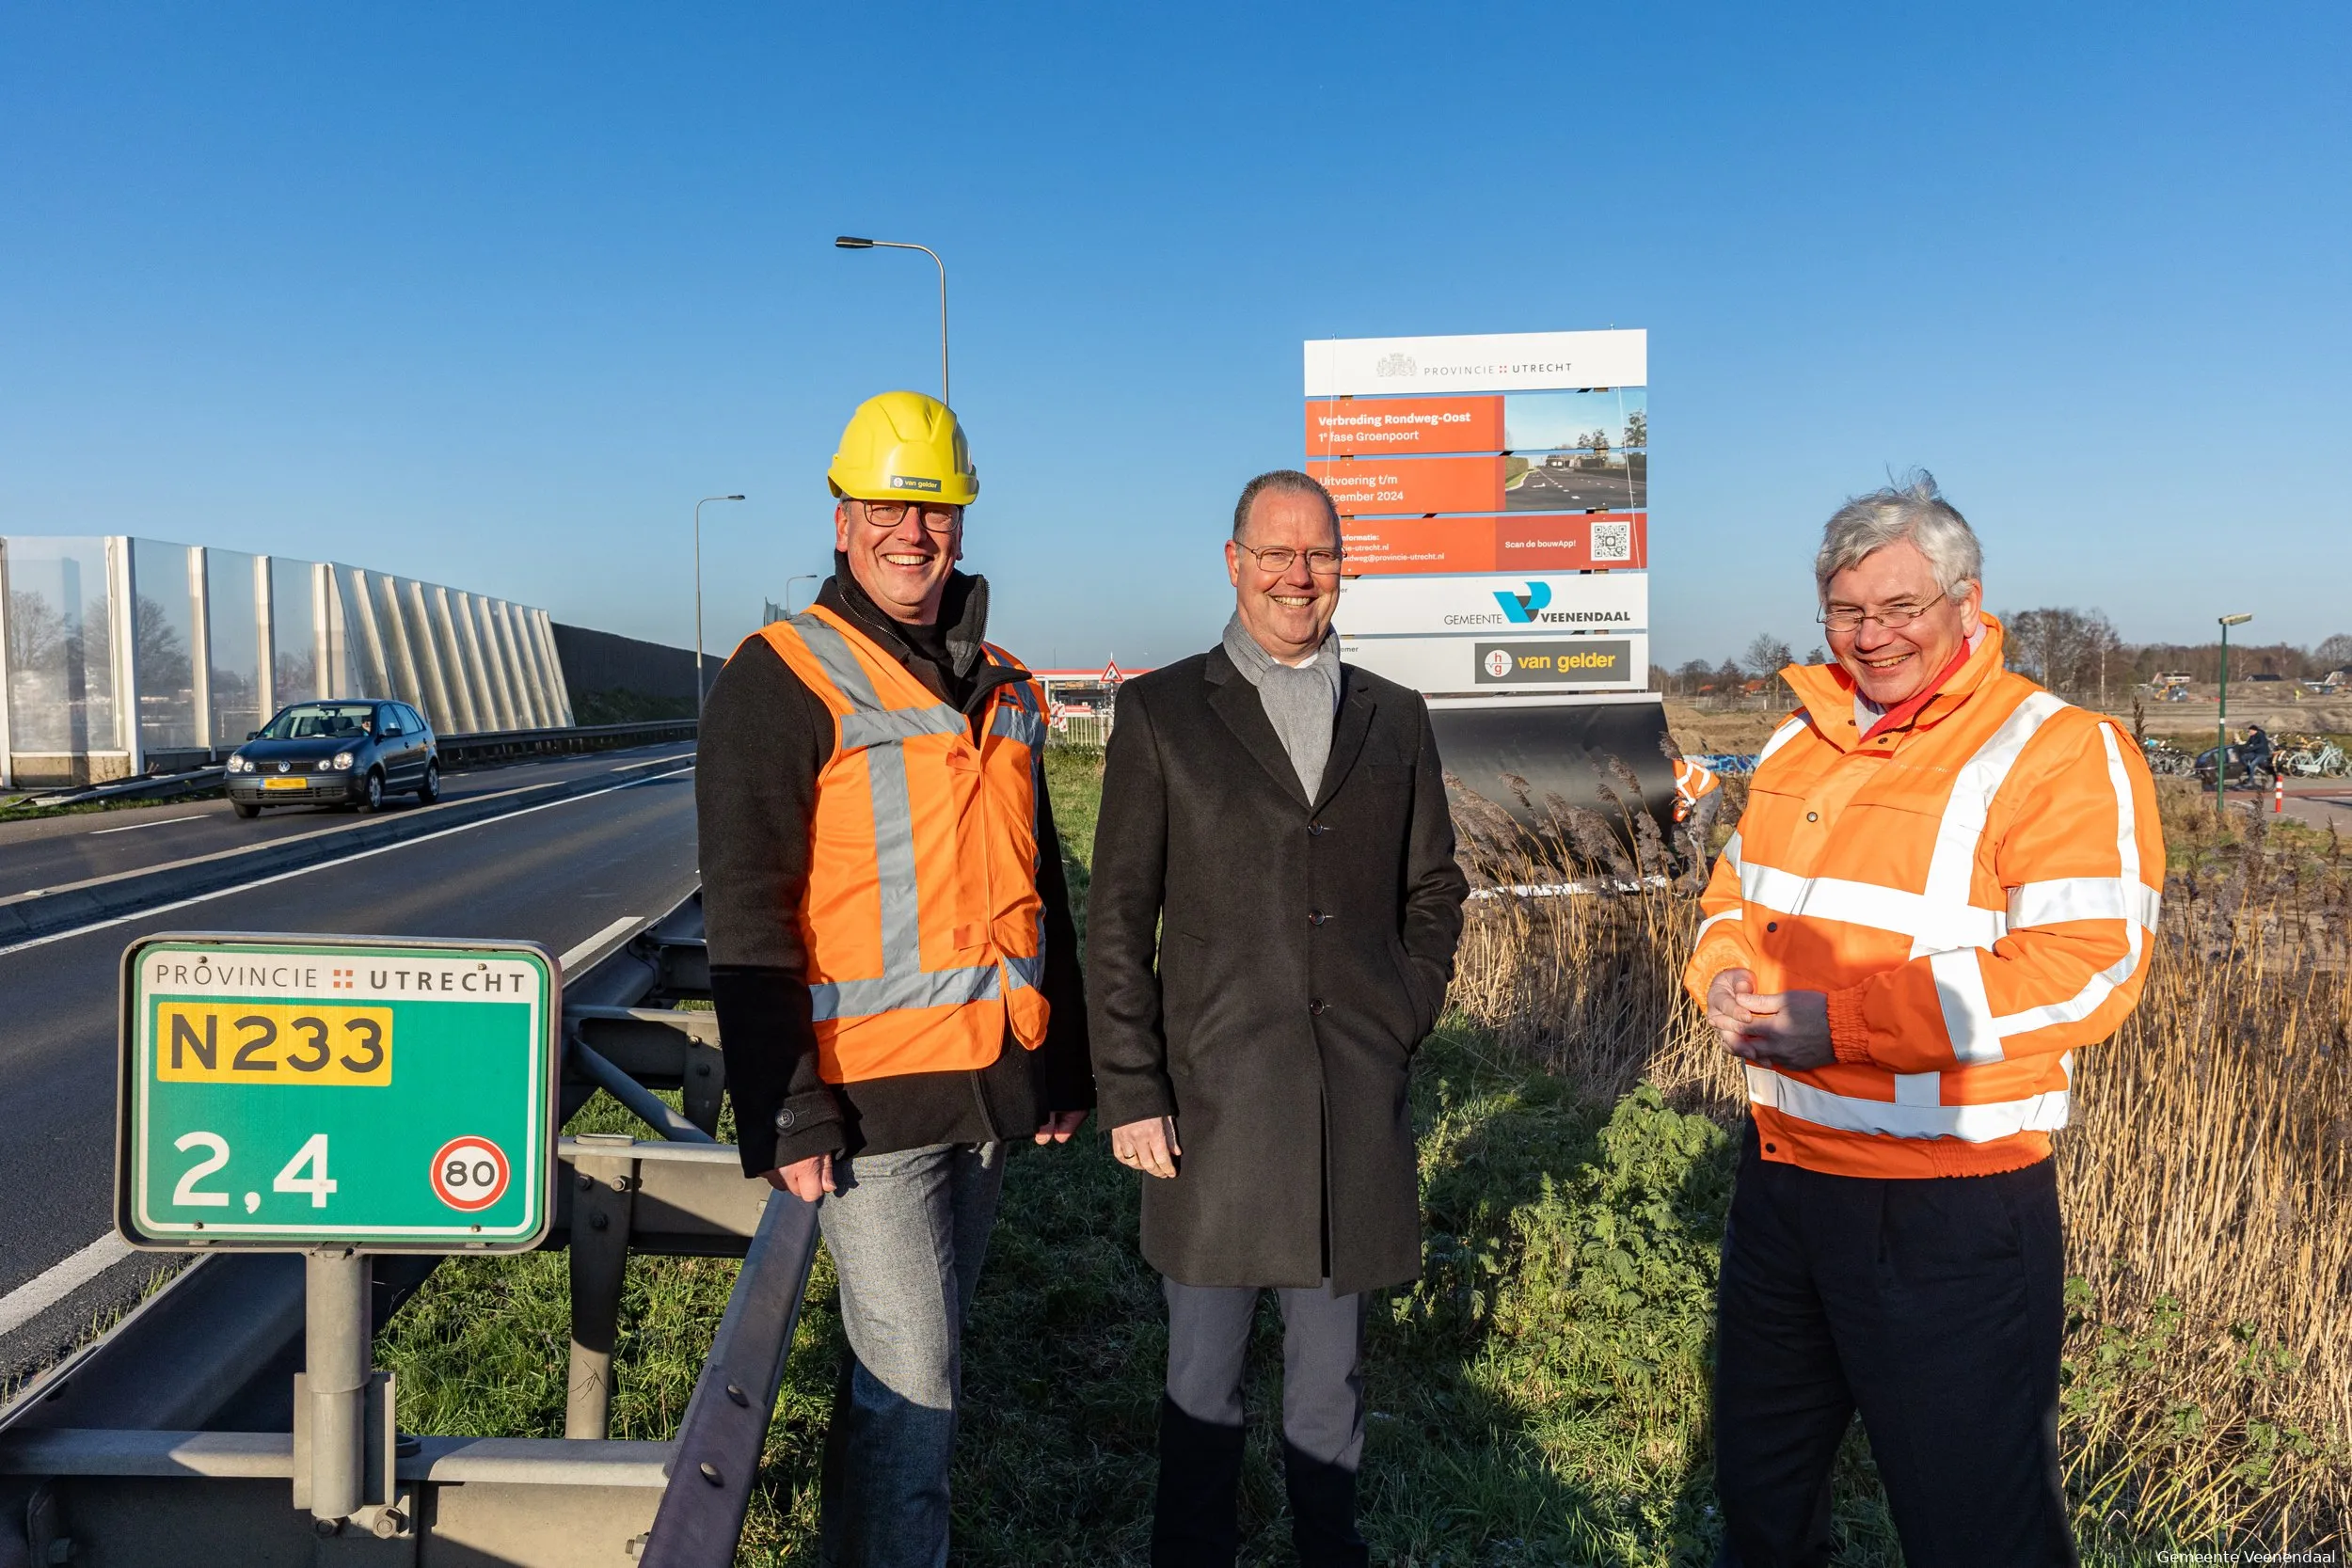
pixel 1765 659
pixel 1767 655
pixel 2334 653
pixel 2066 650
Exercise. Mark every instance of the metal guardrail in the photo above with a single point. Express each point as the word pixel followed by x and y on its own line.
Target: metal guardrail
pixel 486 745
pixel 577 737
pixel 173 1437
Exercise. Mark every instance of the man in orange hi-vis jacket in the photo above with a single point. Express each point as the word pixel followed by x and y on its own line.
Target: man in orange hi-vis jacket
pixel 1945 883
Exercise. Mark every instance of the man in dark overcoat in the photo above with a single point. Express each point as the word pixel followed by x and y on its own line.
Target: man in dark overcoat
pixel 1270 934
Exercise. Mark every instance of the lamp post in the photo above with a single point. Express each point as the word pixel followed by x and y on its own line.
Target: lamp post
pixel 797 577
pixel 2221 724
pixel 698 595
pixel 852 241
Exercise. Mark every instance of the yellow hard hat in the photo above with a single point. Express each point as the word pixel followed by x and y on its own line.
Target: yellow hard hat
pixel 904 446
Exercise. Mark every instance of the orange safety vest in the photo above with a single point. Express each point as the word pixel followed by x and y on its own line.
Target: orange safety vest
pixel 1690 782
pixel 921 919
pixel 1975 893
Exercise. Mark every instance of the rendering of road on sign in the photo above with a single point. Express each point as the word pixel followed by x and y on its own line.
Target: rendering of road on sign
pixel 558 874
pixel 1567 489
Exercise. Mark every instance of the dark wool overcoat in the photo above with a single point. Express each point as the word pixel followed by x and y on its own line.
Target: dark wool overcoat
pixel 1261 966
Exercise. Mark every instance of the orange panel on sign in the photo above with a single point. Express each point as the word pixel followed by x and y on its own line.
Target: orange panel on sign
pixel 1412 484
pixel 1380 544
pixel 1376 426
pixel 1571 542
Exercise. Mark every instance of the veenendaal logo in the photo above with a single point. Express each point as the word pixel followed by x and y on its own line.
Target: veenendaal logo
pixel 1523 607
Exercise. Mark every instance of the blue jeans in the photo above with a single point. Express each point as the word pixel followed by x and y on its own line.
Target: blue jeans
pixel 908 1231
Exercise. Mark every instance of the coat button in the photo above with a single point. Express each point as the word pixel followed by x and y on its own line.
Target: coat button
pixel 1772 925
pixel 1316 829
pixel 1316 917
pixel 1812 816
pixel 1772 1149
pixel 783 1121
pixel 1316 1006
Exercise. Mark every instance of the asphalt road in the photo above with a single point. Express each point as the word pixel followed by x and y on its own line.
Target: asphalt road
pixel 1576 490
pixel 558 874
pixel 53 851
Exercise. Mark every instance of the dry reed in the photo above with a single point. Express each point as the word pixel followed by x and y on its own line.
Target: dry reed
pixel 2207 1177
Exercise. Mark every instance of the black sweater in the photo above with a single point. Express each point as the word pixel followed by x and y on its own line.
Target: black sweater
pixel 765 736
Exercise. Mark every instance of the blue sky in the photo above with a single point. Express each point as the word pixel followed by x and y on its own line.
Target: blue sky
pixel 490 294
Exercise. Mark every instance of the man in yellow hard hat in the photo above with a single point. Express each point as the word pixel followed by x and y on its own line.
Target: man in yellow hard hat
pixel 891 947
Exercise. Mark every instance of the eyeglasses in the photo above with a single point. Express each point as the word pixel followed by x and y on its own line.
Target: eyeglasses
pixel 1895 617
pixel 938 519
pixel 1277 558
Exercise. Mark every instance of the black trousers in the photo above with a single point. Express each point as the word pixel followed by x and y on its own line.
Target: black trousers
pixel 1934 1308
pixel 1195 1523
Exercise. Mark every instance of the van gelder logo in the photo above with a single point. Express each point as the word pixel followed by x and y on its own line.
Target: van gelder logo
pixel 1523 607
pixel 1396 364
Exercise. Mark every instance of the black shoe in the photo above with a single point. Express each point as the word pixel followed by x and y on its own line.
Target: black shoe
pixel 1195 1521
pixel 1323 1513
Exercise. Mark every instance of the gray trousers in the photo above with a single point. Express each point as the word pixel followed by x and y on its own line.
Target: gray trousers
pixel 908 1231
pixel 1195 1521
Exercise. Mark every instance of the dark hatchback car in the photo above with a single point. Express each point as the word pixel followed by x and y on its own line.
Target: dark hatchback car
pixel 351 751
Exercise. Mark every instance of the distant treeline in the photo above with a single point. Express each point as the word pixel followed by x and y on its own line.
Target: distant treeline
pixel 2070 651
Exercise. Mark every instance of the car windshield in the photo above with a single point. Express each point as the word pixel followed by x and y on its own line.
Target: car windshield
pixel 322 720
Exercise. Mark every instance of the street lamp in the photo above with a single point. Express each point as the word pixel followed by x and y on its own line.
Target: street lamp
pixel 797 577
pixel 2221 724
pixel 851 242
pixel 698 595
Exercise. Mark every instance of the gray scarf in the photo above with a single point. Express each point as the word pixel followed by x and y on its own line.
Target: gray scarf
pixel 1299 703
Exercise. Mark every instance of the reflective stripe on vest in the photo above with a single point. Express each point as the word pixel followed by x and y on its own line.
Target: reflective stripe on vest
pixel 858 1035
pixel 1915 1111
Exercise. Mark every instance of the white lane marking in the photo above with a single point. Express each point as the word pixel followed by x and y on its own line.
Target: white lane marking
pixel 323 865
pixel 649 762
pixel 134 826
pixel 60 1280
pixel 594 943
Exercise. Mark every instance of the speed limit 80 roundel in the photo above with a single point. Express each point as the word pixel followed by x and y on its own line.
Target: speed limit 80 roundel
pixel 469 1174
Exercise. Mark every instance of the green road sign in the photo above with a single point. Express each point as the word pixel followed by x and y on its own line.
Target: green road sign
pixel 286 1092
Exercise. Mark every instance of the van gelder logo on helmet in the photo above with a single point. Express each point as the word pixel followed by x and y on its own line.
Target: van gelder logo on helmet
pixel 1396 364
pixel 908 481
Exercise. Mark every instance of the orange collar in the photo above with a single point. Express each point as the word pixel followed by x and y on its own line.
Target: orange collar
pixel 1826 691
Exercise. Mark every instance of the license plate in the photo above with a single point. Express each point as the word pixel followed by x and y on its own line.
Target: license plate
pixel 282 783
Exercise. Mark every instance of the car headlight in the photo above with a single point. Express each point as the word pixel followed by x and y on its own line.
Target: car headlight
pixel 342 762
pixel 238 764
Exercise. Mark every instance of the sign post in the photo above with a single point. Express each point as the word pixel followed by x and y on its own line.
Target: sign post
pixel 339 1097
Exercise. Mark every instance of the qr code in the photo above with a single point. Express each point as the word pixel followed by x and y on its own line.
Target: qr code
pixel 1613 541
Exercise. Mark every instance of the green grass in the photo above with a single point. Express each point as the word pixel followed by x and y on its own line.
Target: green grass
pixel 1538 1398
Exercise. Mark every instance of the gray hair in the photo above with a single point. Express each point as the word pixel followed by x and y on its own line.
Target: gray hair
pixel 1912 510
pixel 1284 482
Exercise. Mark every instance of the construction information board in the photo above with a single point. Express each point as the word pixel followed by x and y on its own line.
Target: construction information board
pixel 1488 485
pixel 288 1092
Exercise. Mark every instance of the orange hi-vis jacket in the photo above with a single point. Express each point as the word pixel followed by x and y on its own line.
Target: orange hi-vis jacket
pixel 1690 782
pixel 1975 892
pixel 924 931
